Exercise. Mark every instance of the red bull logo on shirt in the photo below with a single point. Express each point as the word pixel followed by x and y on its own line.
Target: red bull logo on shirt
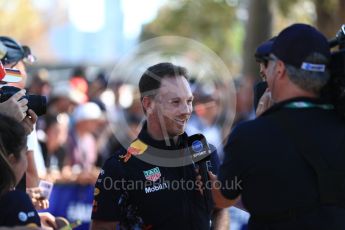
pixel 136 148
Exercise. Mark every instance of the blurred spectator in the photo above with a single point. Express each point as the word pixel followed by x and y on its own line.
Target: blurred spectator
pixel 110 143
pixel 54 143
pixel 78 81
pixel 82 148
pixel 39 83
pixel 124 113
pixel 114 107
pixel 79 72
pixel 64 97
pixel 15 205
pixel 244 97
pixel 204 118
pixel 97 86
pixel 17 56
pixel 134 108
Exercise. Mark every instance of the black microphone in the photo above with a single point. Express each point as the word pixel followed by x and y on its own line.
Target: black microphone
pixel 333 42
pixel 201 157
pixel 339 38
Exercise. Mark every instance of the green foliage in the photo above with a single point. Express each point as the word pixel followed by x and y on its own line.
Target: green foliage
pixel 285 5
pixel 210 22
pixel 328 5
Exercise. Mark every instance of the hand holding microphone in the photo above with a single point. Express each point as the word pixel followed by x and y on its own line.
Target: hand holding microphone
pixel 201 156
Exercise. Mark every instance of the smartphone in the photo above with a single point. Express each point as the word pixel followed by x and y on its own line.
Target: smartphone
pixel 46 188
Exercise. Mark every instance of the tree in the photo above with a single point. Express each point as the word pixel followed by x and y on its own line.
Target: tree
pixel 330 16
pixel 258 29
pixel 20 20
pixel 329 13
pixel 210 22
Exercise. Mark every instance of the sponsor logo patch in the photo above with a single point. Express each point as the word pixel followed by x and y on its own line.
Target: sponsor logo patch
pixel 197 146
pixel 156 188
pixel 152 174
pixel 136 148
pixel 22 216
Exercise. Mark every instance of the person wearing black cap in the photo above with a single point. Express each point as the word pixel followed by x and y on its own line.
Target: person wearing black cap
pixel 285 161
pixel 13 106
pixel 261 54
pixel 13 55
pixel 262 95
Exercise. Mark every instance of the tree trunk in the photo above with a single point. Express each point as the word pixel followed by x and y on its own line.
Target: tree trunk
pixel 341 13
pixel 258 29
pixel 330 17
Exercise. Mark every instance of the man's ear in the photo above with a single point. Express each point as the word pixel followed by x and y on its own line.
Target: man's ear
pixel 147 103
pixel 280 69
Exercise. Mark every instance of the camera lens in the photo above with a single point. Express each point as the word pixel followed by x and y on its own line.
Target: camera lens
pixel 38 104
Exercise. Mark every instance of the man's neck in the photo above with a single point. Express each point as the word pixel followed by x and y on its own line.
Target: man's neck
pixel 157 133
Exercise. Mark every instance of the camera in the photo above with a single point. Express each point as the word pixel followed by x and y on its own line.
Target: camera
pixel 35 102
pixel 334 91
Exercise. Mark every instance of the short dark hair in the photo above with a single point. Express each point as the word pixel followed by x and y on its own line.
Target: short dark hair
pixel 150 81
pixel 12 141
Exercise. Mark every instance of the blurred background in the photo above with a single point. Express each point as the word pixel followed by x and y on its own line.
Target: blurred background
pixel 91 32
pixel 78 43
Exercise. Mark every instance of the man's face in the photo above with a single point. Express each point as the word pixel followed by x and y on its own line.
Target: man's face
pixel 263 69
pixel 173 105
pixel 21 67
pixel 271 73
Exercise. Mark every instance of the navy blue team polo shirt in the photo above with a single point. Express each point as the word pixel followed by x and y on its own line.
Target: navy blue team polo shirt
pixel 164 197
pixel 273 176
pixel 16 209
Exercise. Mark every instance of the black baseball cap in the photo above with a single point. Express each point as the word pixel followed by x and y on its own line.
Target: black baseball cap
pixel 264 50
pixel 297 42
pixel 11 51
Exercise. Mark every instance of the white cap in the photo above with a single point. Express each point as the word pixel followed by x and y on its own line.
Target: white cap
pixel 64 89
pixel 87 111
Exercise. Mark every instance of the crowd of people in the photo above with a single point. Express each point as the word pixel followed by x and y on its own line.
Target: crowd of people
pixel 81 127
pixel 272 163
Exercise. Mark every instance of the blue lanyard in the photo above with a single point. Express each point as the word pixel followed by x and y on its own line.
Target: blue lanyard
pixel 303 105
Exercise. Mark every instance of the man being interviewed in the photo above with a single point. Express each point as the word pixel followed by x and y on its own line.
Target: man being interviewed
pixel 151 184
